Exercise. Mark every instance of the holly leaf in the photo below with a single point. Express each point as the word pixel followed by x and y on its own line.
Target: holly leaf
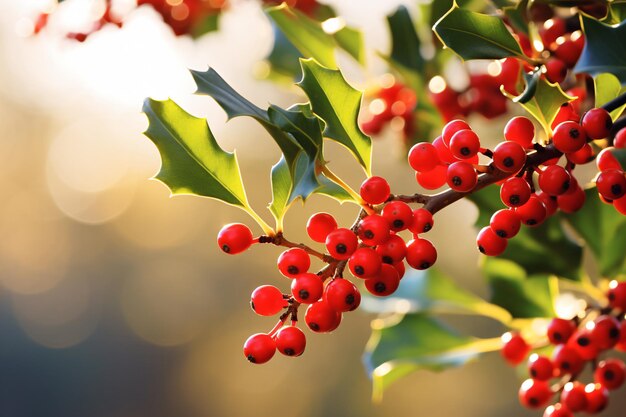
pixel 192 162
pixel 284 57
pixel 605 49
pixel 349 39
pixel 604 231
pixel 616 13
pixel 607 87
pixel 516 15
pixel 544 103
pixel 522 295
pixel 405 43
pixel 337 103
pixel 474 35
pixel 305 130
pixel 413 342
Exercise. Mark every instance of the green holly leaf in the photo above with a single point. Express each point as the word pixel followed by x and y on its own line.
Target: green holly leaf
pixel 605 49
pixel 333 190
pixel 283 59
pixel 337 103
pixel 405 43
pixel 607 87
pixel 474 35
pixel 524 296
pixel 544 104
pixel 192 162
pixel 545 249
pixel 404 344
pixel 433 291
pixel 516 13
pixel 350 40
pixel 616 13
pixel 604 231
pixel 304 129
pixel 208 24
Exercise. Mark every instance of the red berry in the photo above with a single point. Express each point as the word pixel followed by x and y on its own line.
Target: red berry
pixel 505 223
pixel 293 262
pixel 464 144
pixel 620 205
pixel 610 373
pixel 534 393
pixel 375 190
pixel 393 250
pixel 259 348
pixel 342 295
pixel 442 149
pixel 533 212
pixel 597 398
pixel 515 192
pixel 574 397
pixel 489 243
pixel 420 254
pixel 540 367
pixel 234 238
pixel 568 48
pixel 451 128
pixel 422 221
pixel 514 348
pixel 555 70
pixel 569 137
pixel 554 180
pixel 548 201
pixel 385 283
pixel 341 243
pixel 267 300
pixel 321 317
pixel 619 141
pixel 400 268
pixel 560 330
pixel 398 214
pixel 567 361
pixel 521 130
pixel 551 30
pixel 572 201
pixel 582 342
pixel 605 331
pixel 432 179
pixel 617 295
pixel 606 160
pixel 581 156
pixel 461 176
pixel 364 263
pixel 307 288
pixel 509 156
pixel 597 123
pixel 290 341
pixel 611 184
pixel 423 157
pixel 373 230
pixel 557 410
pixel 320 225
pixel 567 112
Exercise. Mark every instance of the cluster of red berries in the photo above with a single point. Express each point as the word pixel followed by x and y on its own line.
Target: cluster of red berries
pixel 563 43
pixel 394 104
pixel 611 180
pixel 581 340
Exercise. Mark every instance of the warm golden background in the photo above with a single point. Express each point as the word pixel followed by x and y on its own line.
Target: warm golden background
pixel 114 298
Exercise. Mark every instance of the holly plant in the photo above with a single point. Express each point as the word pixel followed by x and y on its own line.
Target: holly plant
pixel 557 68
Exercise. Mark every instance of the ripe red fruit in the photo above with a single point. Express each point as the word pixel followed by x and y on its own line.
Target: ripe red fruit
pixel 619 141
pixel 461 176
pixel 489 243
pixel 509 156
pixel 385 283
pixel 364 263
pixel 393 250
pixel 597 398
pixel 582 342
pixel 555 70
pixel 620 205
pixel 521 130
pixel 567 361
pixel 533 212
pixel 515 192
pixel 341 243
pixel 342 295
pixel 375 190
pixel 572 201
pixel 234 238
pixel 293 262
pixel 548 201
pixel 568 50
pixel 432 179
pixel 617 295
pixel 611 184
pixel 557 410
pixel 420 254
pixel 423 157
pixel 451 128
pixel 551 30
pixel 610 373
pixel 554 180
pixel 597 123
pixel 574 397
pixel 540 367
pixel 534 393
pixel 514 348
pixel 422 221
pixel 569 137
pixel 267 300
pixel 606 160
pixel 321 317
pixel 307 288
pixel 581 156
pixel 259 348
pixel 464 144
pixel 560 330
pixel 400 268
pixel 319 226
pixel 605 331
pixel 443 151
pixel 373 230
pixel 398 214
pixel 505 223
pixel 567 112
pixel 290 341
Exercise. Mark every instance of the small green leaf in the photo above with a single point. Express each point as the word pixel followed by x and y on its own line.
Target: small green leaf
pixel 333 190
pixel 522 295
pixel 281 190
pixel 351 41
pixel 545 102
pixel 605 49
pixel 337 103
pixel 414 342
pixel 604 231
pixel 284 57
pixel 516 15
pixel 405 44
pixel 607 87
pixel 473 35
pixel 305 130
pixel 192 161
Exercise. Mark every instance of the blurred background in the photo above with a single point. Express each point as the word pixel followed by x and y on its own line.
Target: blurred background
pixel 114 298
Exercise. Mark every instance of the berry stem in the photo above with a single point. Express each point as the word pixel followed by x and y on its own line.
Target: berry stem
pixel 279 240
pixel 616 103
pixel 331 176
pixel 267 229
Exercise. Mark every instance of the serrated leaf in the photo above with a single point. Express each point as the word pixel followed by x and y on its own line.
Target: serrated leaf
pixel 434 292
pixel 604 230
pixel 607 87
pixel 474 35
pixel 304 129
pixel 545 249
pixel 545 102
pixel 605 49
pixel 516 15
pixel 283 59
pixel 530 88
pixel 192 162
pixel 337 103
pixel 414 342
pixel 405 43
pixel 522 295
